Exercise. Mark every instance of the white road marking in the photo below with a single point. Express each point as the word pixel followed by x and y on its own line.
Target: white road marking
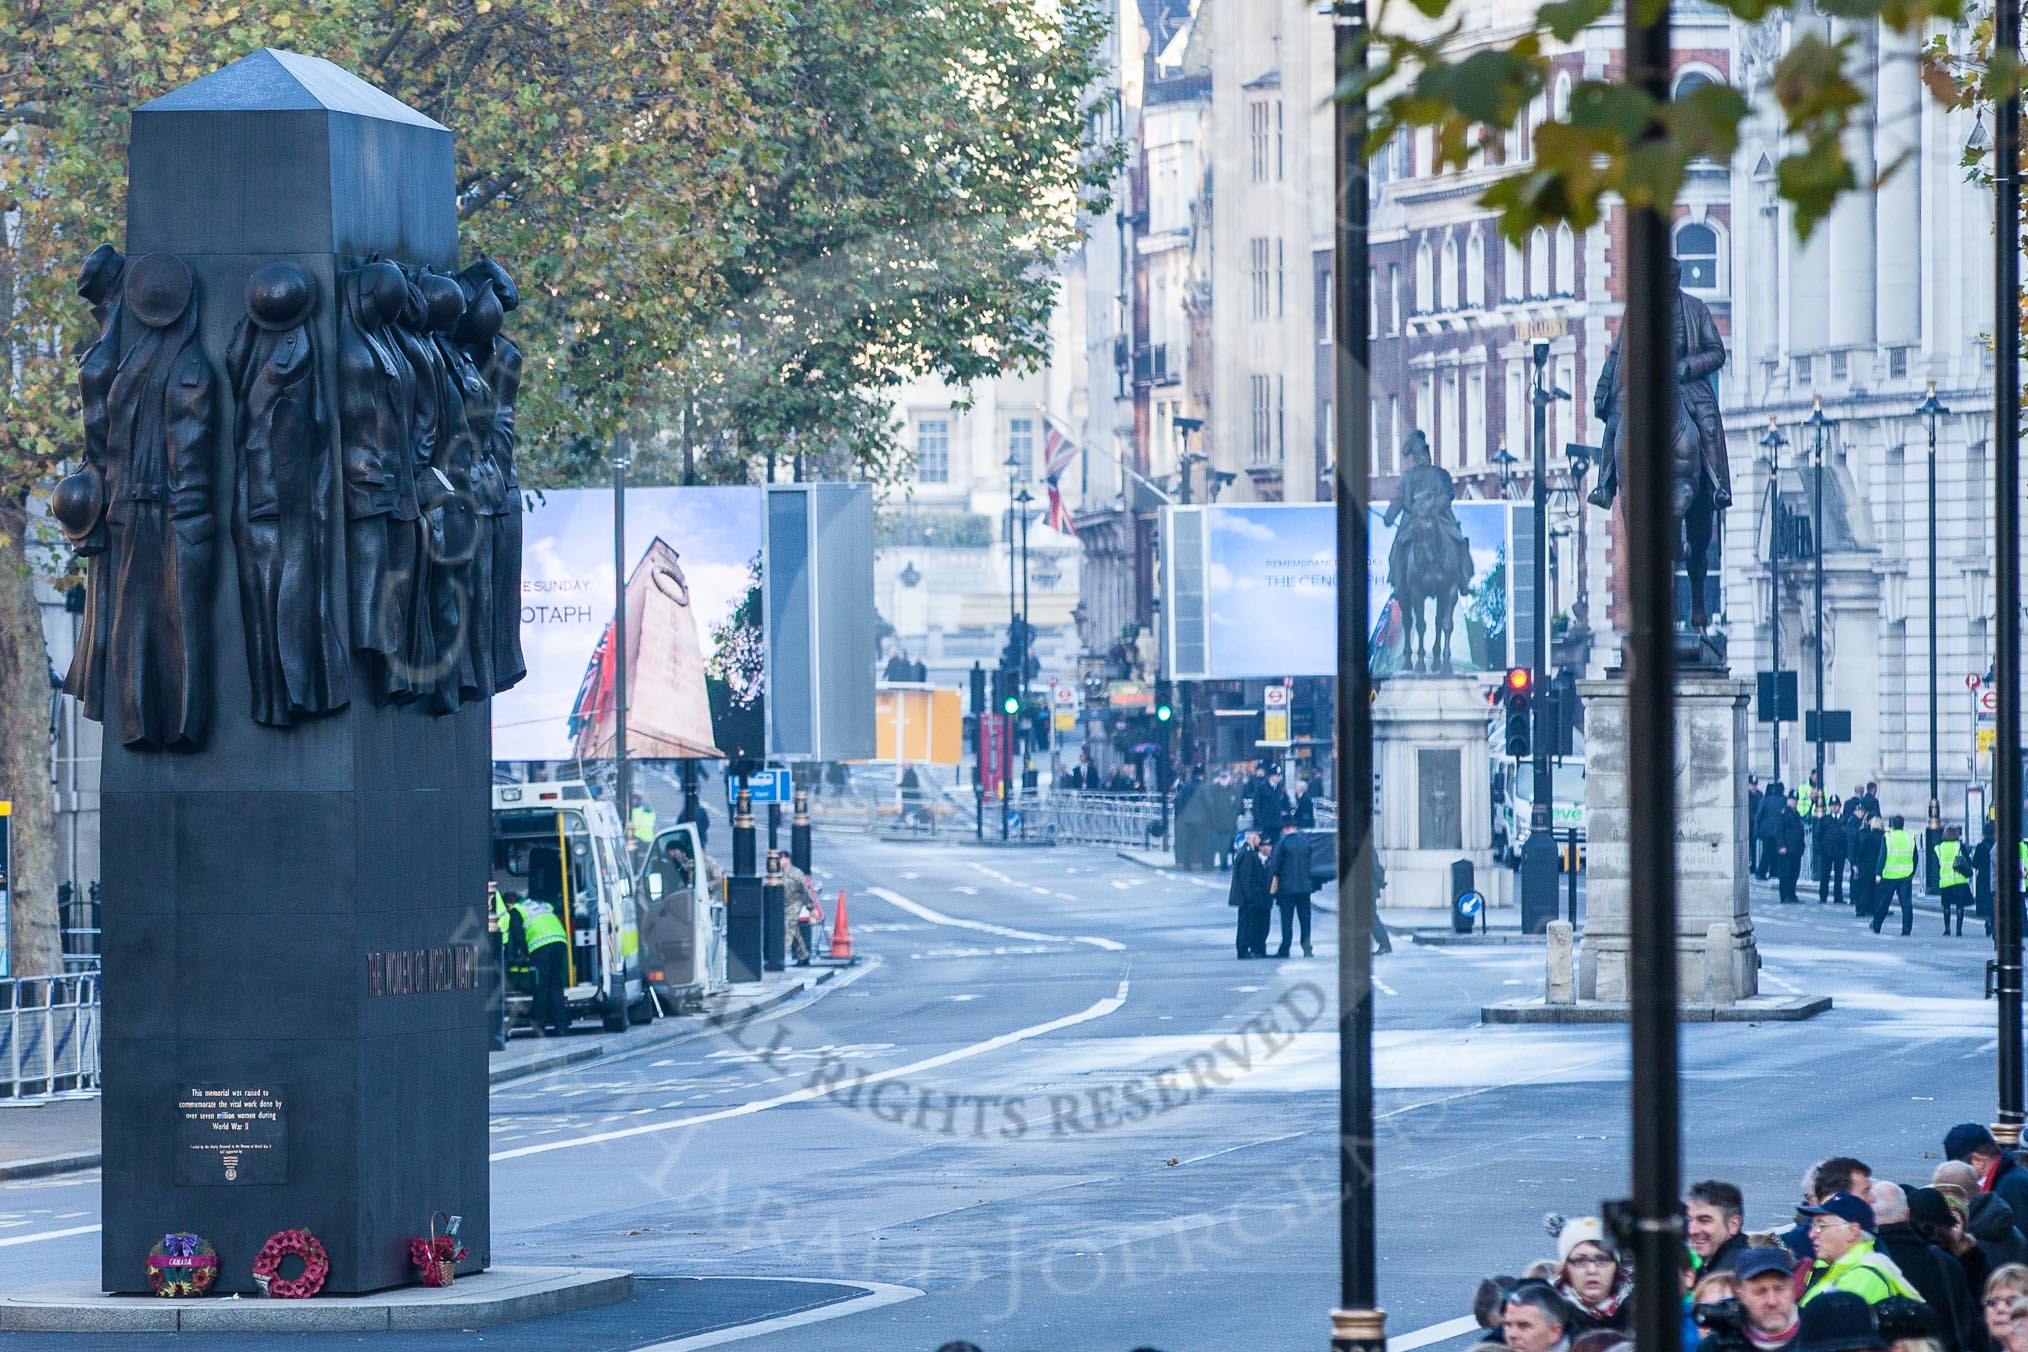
pixel 1246 1145
pixel 877 1294
pixel 12 1240
pixel 966 891
pixel 916 908
pixel 960 999
pixel 1435 1333
pixel 1096 1010
pixel 1384 988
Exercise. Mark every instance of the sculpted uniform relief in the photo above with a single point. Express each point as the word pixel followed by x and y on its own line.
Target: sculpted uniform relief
pixel 382 517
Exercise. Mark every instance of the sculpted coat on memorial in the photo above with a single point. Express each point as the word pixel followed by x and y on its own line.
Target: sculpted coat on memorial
pixel 289 585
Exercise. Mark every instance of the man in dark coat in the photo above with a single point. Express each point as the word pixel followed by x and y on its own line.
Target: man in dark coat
pixel 1190 822
pixel 1789 837
pixel 1753 801
pixel 1290 883
pixel 1250 895
pixel 1767 825
pixel 1270 806
pixel 1934 1274
pixel 1830 850
pixel 1998 1174
pixel 1867 844
pixel 1982 876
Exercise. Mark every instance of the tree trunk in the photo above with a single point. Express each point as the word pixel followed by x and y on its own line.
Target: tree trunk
pixel 25 696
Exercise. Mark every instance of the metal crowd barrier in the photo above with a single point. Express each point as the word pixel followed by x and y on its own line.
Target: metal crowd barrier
pixel 49 1035
pixel 1129 820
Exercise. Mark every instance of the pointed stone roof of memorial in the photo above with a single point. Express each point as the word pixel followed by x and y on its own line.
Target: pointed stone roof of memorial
pixel 274 81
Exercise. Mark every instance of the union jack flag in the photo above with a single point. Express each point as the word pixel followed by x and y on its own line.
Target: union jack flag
pixel 1058 451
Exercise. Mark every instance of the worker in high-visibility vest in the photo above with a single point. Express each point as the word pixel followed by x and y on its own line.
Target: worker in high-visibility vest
pixel 1952 879
pixel 641 825
pixel 496 930
pixel 1898 857
pixel 546 938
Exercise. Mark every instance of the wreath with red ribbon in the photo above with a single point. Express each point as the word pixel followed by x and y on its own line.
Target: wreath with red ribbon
pixel 292 1243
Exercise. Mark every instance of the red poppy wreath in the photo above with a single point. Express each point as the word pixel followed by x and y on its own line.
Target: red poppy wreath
pixel 286 1244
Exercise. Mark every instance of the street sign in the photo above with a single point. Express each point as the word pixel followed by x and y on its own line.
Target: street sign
pixel 1837 725
pixel 1063 696
pixel 1989 703
pixel 769 786
pixel 1765 684
pixel 1971 682
pixel 1275 697
pixel 1985 739
pixel 1131 695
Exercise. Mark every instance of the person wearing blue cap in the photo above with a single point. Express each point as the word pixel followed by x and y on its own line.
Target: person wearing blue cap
pixel 1842 1229
pixel 1840 1322
pixel 1767 1296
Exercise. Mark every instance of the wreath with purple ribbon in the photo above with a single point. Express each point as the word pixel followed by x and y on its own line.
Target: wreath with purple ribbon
pixel 181 1265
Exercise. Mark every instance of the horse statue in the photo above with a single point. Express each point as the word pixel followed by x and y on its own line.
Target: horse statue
pixel 1700 479
pixel 1430 562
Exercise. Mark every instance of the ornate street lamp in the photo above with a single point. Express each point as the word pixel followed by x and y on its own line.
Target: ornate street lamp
pixel 1819 425
pixel 1932 408
pixel 1773 440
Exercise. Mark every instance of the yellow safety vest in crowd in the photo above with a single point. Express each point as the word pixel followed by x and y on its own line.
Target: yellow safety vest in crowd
pixel 1947 874
pixel 539 924
pixel 644 825
pixel 1899 861
pixel 1804 797
pixel 499 907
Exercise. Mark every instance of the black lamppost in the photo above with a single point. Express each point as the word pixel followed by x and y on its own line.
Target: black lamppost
pixel 1357 1324
pixel 1932 408
pixel 1538 853
pixel 1013 464
pixel 1774 441
pixel 2007 576
pixel 1022 501
pixel 1652 1228
pixel 1818 424
pixel 623 779
pixel 1187 753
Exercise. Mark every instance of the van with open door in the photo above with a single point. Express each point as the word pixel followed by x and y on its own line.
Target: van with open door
pixel 681 902
pixel 561 844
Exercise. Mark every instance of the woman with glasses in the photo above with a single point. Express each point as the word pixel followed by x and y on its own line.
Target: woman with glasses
pixel 1590 1275
pixel 2008 1284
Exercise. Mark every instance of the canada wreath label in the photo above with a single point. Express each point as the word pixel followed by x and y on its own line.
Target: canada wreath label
pixel 181 1265
pixel 281 1246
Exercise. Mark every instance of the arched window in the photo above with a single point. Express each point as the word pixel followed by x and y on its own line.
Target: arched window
pixel 1562 103
pixel 1475 271
pixel 1425 280
pixel 1513 271
pixel 1566 261
pixel 1447 280
pixel 1690 81
pixel 1697 254
pixel 1538 262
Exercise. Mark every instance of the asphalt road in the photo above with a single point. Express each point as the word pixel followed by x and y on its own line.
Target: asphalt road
pixel 1057 1107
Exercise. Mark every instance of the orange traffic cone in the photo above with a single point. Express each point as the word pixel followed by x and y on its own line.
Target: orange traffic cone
pixel 841 933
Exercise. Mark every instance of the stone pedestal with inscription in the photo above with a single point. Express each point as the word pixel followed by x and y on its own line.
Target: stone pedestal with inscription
pixel 295 1026
pixel 1710 841
pixel 1435 803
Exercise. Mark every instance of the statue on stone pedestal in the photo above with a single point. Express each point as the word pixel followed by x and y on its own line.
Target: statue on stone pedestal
pixel 1701 480
pixel 494 295
pixel 1430 559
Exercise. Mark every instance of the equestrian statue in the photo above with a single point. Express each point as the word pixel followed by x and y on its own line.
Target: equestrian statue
pixel 1430 560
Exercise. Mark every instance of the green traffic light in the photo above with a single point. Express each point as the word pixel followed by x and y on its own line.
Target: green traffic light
pixel 1164 714
pixel 1011 704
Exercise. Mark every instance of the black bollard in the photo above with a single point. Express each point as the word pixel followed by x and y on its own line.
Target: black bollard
pixel 743 844
pixel 774 916
pixel 799 832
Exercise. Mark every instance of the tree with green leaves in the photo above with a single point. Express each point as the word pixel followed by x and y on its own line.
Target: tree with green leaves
pixel 735 216
pixel 1421 75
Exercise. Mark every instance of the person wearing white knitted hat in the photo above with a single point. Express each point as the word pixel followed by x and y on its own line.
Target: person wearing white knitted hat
pixel 1590 1275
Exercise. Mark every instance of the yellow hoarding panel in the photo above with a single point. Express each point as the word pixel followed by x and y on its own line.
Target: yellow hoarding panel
pixel 924 727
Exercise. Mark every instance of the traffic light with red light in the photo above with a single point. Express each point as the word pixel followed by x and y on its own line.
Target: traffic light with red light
pixel 1519 687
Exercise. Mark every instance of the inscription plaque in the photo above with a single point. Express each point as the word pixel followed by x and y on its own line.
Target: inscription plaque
pixel 1440 825
pixel 230 1134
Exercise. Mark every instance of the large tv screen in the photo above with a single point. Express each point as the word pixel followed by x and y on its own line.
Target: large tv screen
pixel 1252 592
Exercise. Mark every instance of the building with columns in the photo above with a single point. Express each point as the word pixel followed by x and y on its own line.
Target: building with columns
pixel 1892 293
